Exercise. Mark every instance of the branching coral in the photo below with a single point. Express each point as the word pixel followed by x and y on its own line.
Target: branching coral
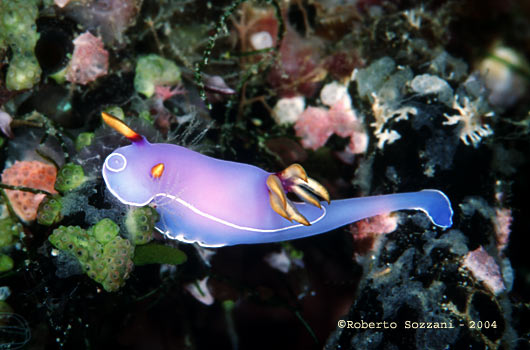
pixel 383 113
pixel 472 129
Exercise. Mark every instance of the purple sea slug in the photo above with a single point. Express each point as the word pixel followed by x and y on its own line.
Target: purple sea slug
pixel 218 203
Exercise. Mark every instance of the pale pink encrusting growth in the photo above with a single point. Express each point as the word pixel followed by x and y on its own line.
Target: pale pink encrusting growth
pixel 342 118
pixel 89 61
pixel 358 142
pixel 345 123
pixel 502 221
pixel 485 269
pixel 316 124
pixel 377 225
pixel 365 232
pixel 314 127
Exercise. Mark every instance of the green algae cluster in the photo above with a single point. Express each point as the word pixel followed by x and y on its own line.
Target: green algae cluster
pixel 140 224
pixel 153 70
pixel 103 254
pixel 84 139
pixel 69 177
pixel 10 231
pixel 49 211
pixel 18 31
pixel 6 263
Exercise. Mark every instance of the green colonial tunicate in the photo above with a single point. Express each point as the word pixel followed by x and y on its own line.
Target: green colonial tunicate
pixel 116 112
pixel 140 223
pixel 153 70
pixel 105 231
pixel 83 139
pixel 49 211
pixel 75 240
pixel 6 263
pixel 118 255
pixel 18 31
pixel 103 254
pixel 10 231
pixel 69 177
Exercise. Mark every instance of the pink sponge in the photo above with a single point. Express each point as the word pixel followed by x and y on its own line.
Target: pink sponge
pixel 31 174
pixel 89 61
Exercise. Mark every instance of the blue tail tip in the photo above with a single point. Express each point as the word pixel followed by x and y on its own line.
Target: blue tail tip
pixel 440 210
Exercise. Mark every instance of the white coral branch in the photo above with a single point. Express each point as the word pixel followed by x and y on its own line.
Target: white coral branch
pixel 472 130
pixel 383 112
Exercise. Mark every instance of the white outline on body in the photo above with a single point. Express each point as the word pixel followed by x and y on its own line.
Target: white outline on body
pixel 197 211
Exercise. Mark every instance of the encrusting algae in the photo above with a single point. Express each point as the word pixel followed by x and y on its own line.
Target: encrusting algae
pixel 32 174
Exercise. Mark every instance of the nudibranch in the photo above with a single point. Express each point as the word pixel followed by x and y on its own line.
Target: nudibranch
pixel 217 203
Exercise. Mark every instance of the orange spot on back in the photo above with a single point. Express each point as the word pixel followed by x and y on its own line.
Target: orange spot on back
pixel 157 170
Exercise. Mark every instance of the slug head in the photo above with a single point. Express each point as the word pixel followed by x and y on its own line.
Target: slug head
pixel 132 173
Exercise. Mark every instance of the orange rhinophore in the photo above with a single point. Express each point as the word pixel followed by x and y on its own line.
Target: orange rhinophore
pixel 120 127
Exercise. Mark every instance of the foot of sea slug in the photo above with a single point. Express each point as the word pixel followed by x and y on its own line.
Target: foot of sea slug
pixel 294 179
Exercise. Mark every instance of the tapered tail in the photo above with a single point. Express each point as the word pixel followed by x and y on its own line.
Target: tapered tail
pixel 433 203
